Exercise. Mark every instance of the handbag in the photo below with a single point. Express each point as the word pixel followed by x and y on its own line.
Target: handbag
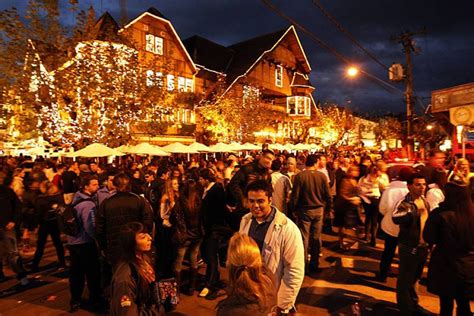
pixel 166 292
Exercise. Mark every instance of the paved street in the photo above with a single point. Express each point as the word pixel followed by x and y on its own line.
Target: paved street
pixel 347 277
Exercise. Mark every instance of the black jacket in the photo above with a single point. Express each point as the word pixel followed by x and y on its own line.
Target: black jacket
pixel 451 268
pixel 406 215
pixel 47 207
pixel 213 209
pixel 10 206
pixel 116 211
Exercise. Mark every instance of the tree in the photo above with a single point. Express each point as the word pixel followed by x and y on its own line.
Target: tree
pixel 333 125
pixel 388 128
pixel 237 114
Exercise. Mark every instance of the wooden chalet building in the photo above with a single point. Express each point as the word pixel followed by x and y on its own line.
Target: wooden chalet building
pixel 274 64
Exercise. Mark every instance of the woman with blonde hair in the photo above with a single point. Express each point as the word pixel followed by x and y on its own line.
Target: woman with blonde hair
pixel 251 290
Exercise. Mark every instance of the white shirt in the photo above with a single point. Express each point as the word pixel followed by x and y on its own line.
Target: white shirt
pixel 393 194
pixel 434 196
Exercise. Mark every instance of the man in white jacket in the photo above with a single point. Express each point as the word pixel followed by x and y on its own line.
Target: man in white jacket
pixel 393 194
pixel 280 243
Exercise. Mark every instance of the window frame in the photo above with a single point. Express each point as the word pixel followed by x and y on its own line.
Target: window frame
pixel 279 76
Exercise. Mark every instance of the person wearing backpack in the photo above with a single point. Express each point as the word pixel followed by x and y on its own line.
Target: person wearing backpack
pixel 82 247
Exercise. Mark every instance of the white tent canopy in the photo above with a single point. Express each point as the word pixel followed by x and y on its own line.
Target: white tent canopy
pixel 178 148
pixel 249 146
pixel 146 149
pixel 221 148
pixel 95 150
pixel 199 147
pixel 123 148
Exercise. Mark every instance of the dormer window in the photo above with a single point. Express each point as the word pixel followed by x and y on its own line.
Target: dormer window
pixel 279 76
pixel 154 44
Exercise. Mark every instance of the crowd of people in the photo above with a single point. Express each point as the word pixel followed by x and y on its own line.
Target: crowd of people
pixel 141 222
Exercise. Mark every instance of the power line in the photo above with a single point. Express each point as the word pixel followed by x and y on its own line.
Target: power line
pixel 326 46
pixel 331 18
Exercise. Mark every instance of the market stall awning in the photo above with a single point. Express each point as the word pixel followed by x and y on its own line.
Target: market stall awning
pixel 178 148
pixel 146 149
pixel 199 147
pixel 221 148
pixel 95 150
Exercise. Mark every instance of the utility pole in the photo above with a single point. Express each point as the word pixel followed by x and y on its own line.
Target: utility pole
pixel 406 39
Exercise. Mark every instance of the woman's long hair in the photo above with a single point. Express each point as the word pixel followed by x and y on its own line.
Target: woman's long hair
pixel 248 278
pixel 128 243
pixel 458 199
pixel 191 198
pixel 168 190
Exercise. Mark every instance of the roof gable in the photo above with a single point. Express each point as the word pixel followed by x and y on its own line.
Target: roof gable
pixel 250 52
pixel 154 13
pixel 105 28
pixel 208 54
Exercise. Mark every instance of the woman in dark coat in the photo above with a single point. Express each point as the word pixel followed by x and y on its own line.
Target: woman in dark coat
pixel 134 277
pixel 450 228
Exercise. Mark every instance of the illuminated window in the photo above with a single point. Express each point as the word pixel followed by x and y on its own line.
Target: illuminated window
pixel 150 80
pixel 154 44
pixel 298 106
pixel 170 82
pixel 181 84
pixel 189 85
pixel 279 76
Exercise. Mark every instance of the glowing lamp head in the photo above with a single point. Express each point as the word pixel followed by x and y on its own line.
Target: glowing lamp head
pixel 352 71
pixel 429 127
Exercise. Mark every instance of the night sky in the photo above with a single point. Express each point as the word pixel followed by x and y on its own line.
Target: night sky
pixel 446 58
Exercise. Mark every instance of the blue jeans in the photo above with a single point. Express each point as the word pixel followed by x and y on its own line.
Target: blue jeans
pixel 9 250
pixel 310 223
pixel 193 248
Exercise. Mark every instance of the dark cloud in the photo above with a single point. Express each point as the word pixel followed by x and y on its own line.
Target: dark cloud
pixel 446 51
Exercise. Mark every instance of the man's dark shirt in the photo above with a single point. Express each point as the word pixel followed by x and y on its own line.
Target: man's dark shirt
pixel 259 231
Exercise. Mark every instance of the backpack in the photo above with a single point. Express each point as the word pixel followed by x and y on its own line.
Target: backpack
pixel 68 220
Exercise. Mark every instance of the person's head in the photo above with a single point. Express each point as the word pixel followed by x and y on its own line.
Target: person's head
pixel 93 167
pixel 133 240
pixel 266 158
pixel 259 197
pixel 163 173
pixel 172 188
pixel 440 178
pixel 136 174
pixel 206 176
pixel 366 161
pixel 276 165
pixel 149 176
pixel 436 158
pixel 248 277
pixel 122 182
pixel 462 165
pixel 311 160
pixel 74 167
pixel 381 166
pixel 291 164
pixel 90 184
pixel 60 169
pixel 110 180
pixel 353 171
pixel 322 161
pixel 416 185
pixel 176 173
pixel 48 188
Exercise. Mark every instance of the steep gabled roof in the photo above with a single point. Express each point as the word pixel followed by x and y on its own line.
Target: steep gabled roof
pixel 208 54
pixel 105 28
pixel 50 57
pixel 246 53
pixel 154 13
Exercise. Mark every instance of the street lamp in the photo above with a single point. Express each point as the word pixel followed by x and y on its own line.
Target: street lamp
pixel 352 71
pixel 429 127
